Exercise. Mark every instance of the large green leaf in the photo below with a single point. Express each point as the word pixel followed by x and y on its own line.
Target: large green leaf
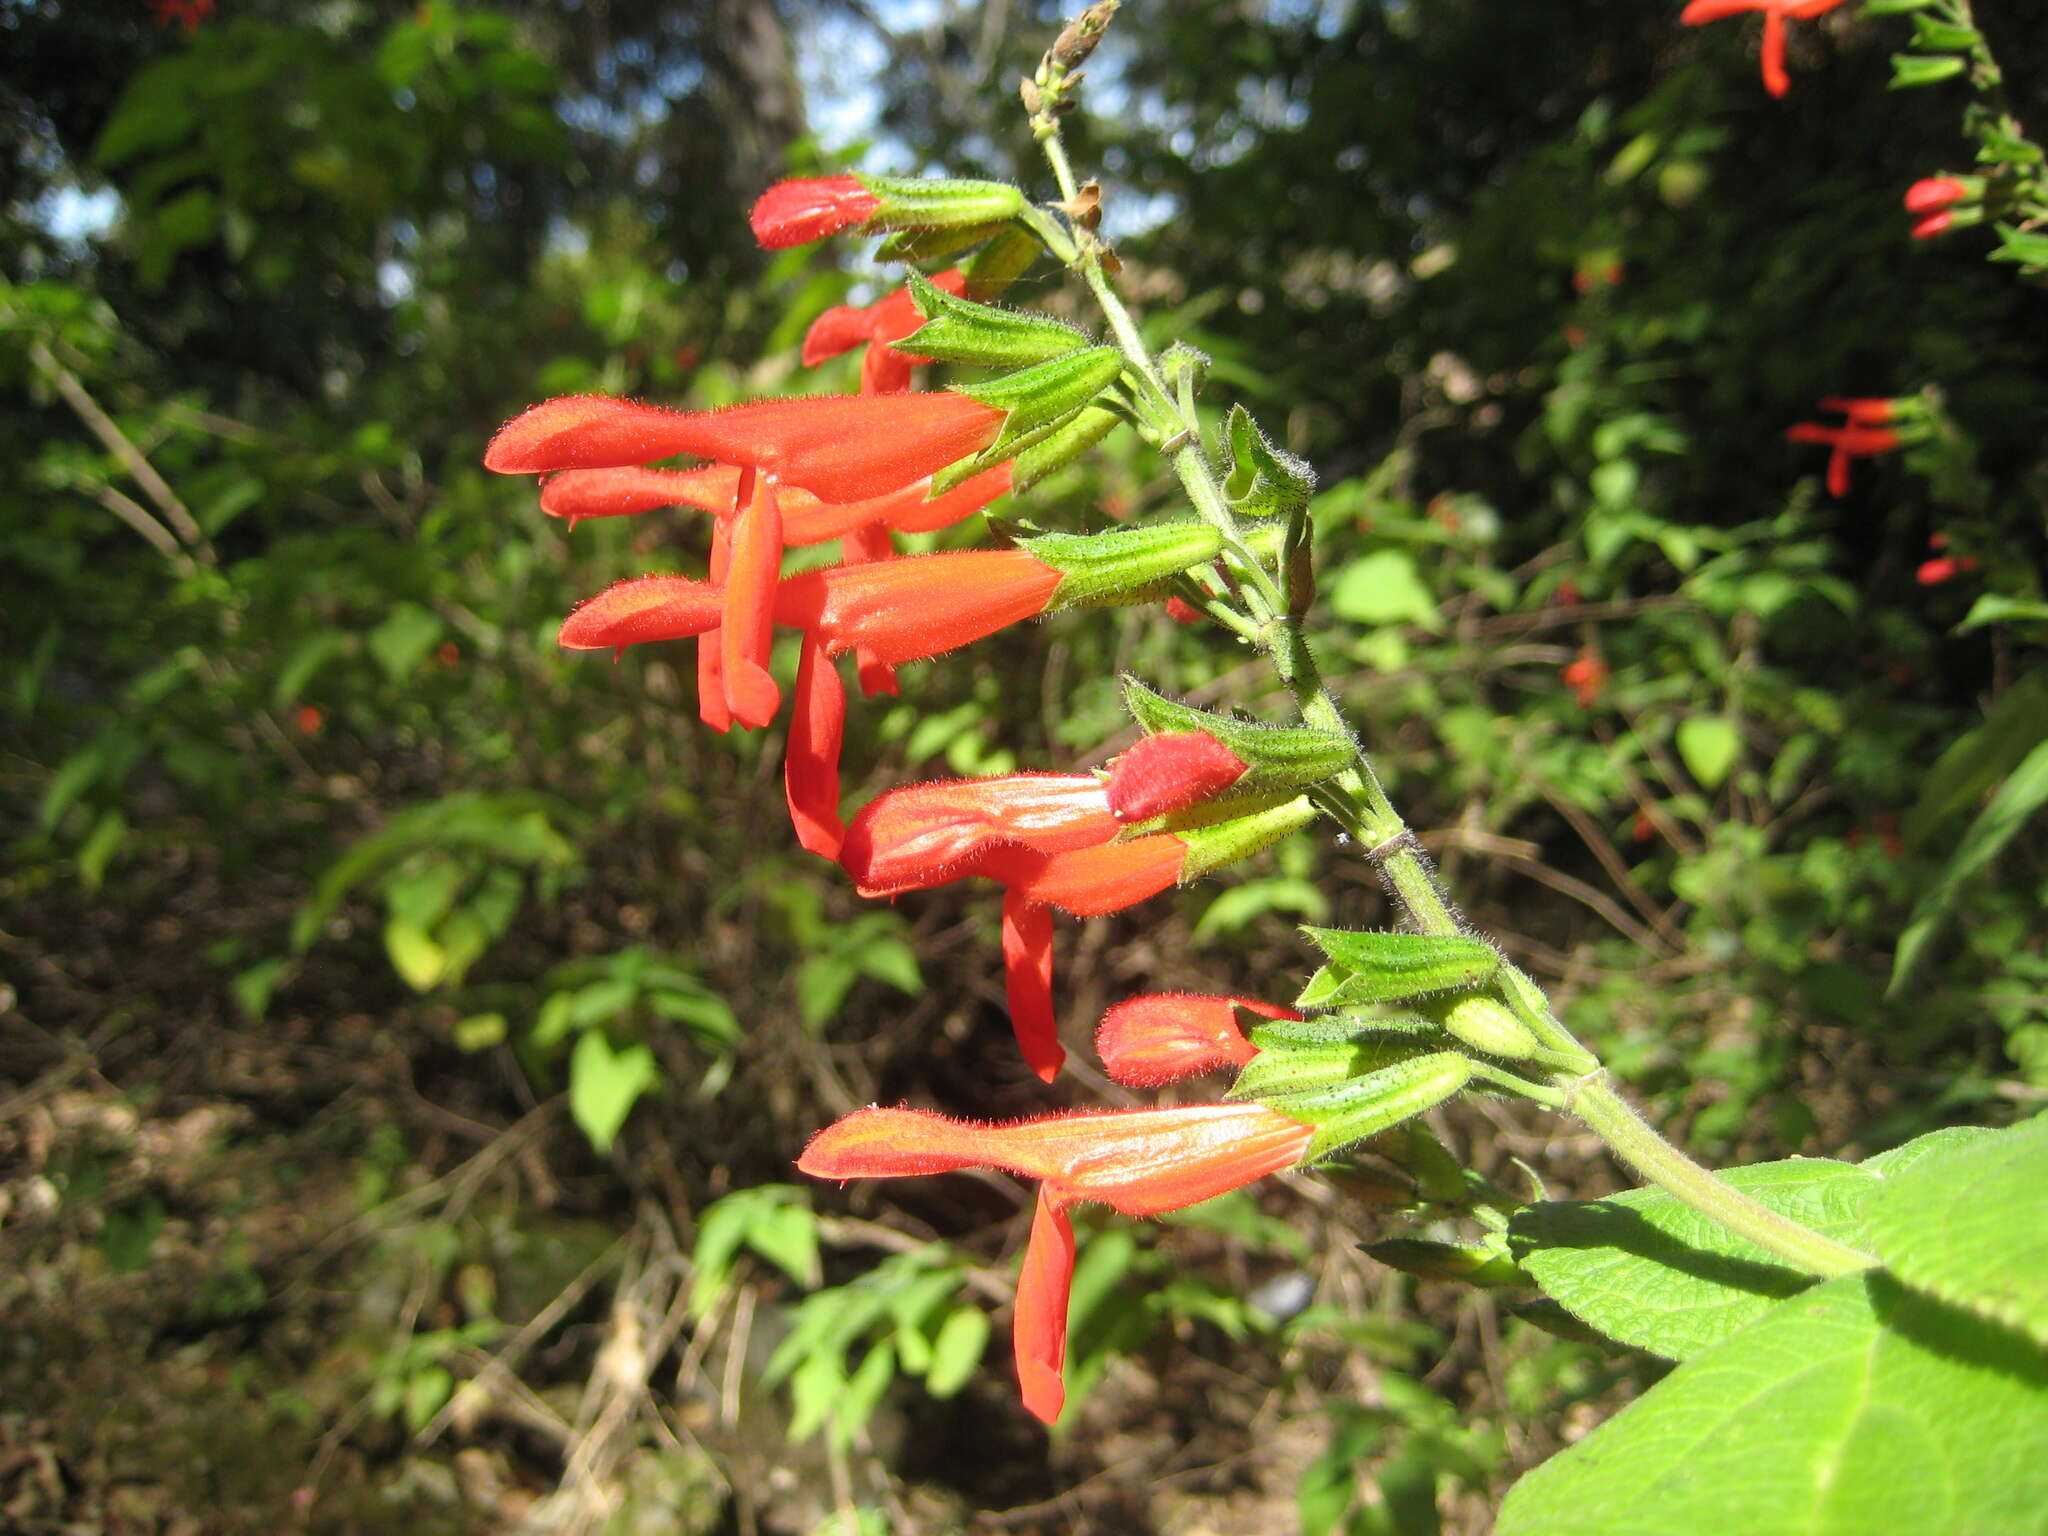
pixel 1970 1225
pixel 2018 798
pixel 1649 1271
pixel 1858 1409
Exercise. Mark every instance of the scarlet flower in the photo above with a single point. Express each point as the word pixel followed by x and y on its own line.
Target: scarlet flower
pixel 920 836
pixel 798 212
pixel 1946 568
pixel 1139 1162
pixel 1933 224
pixel 1862 410
pixel 1162 1037
pixel 1931 194
pixel 839 447
pixel 189 13
pixel 1181 612
pixel 884 369
pixel 1171 771
pixel 1848 442
pixel 1586 675
pixel 1776 13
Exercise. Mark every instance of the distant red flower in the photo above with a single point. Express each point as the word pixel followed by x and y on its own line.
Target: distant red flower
pixel 1945 568
pixel 1862 410
pixel 1930 194
pixel 1162 1037
pixel 1848 442
pixel 1170 772
pixel 1181 613
pixel 310 719
pixel 798 212
pixel 1586 675
pixel 1139 1162
pixel 188 13
pixel 1776 13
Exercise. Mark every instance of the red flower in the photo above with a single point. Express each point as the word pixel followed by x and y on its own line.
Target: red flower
pixel 798 212
pixel 1180 612
pixel 1934 572
pixel 1139 1162
pixel 884 370
pixel 1161 1037
pixel 1586 675
pixel 189 13
pixel 1776 13
pixel 1848 442
pixel 1931 194
pixel 921 835
pixel 1861 410
pixel 840 447
pixel 1170 772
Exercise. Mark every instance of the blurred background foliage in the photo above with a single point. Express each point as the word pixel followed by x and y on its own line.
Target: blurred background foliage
pixel 406 1029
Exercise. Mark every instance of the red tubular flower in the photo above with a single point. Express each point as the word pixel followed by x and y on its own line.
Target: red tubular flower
pixel 187 13
pixel 1087 882
pixel 1162 1037
pixel 839 447
pixel 1776 13
pixel 1945 568
pixel 1139 1162
pixel 924 834
pixel 1180 612
pixel 798 212
pixel 1863 410
pixel 1849 442
pixel 1586 675
pixel 711 705
pixel 1931 194
pixel 1170 772
pixel 1027 984
pixel 1933 224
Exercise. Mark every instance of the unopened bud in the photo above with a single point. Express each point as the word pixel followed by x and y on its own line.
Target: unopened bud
pixel 1486 1025
pixel 1119 564
pixel 1079 37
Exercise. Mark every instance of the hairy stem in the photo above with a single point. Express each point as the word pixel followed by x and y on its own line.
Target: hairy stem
pixel 1358 802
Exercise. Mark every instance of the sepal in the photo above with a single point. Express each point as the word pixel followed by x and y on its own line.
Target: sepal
pixel 1062 445
pixel 1279 756
pixel 1475 1263
pixel 1037 398
pixel 1485 1024
pixel 1329 1028
pixel 1264 481
pixel 1118 563
pixel 1368 967
pixel 1356 1107
pixel 916 203
pixel 957 330
pixel 1226 842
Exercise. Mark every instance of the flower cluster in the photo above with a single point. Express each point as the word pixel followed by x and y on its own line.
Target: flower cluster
pixel 1870 426
pixel 1776 14
pixel 1194 792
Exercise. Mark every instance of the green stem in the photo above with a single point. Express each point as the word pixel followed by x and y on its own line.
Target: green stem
pixel 1358 802
pixel 1594 1100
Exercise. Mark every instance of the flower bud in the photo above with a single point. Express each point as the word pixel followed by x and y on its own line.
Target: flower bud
pixel 1486 1025
pixel 1474 1263
pixel 1170 772
pixel 1276 757
pixel 1226 842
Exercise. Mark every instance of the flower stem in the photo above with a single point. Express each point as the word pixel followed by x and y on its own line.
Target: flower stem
pixel 1355 798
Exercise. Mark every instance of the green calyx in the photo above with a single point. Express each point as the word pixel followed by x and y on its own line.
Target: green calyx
pixel 1117 565
pixel 1389 967
pixel 957 330
pixel 1264 481
pixel 1037 403
pixel 914 203
pixel 1487 1025
pixel 1483 1264
pixel 1225 842
pixel 1062 445
pixel 1277 756
pixel 1348 1106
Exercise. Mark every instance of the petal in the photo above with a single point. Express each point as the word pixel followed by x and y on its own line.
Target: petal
pixel 623 492
pixel 840 447
pixel 747 631
pixel 810 768
pixel 908 514
pixel 840 329
pixel 871 541
pixel 1702 11
pixel 1776 81
pixel 1140 1162
pixel 924 834
pixel 800 211
pixel 884 371
pixel 1027 983
pixel 643 609
pixel 904 610
pixel 1089 882
pixel 711 705
pixel 1038 1331
pixel 1170 772
pixel 1838 472
pixel 1161 1037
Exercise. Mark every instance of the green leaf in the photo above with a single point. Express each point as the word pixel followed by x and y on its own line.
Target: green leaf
pixel 479 1031
pixel 2010 809
pixel 786 1235
pixel 1968 1223
pixel 604 1085
pixel 2016 721
pixel 252 987
pixel 1913 69
pixel 1384 588
pixel 1855 1409
pixel 1649 1271
pixel 1996 608
pixel 414 954
pixel 1710 747
pixel 961 1342
pixel 100 846
pixel 402 641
